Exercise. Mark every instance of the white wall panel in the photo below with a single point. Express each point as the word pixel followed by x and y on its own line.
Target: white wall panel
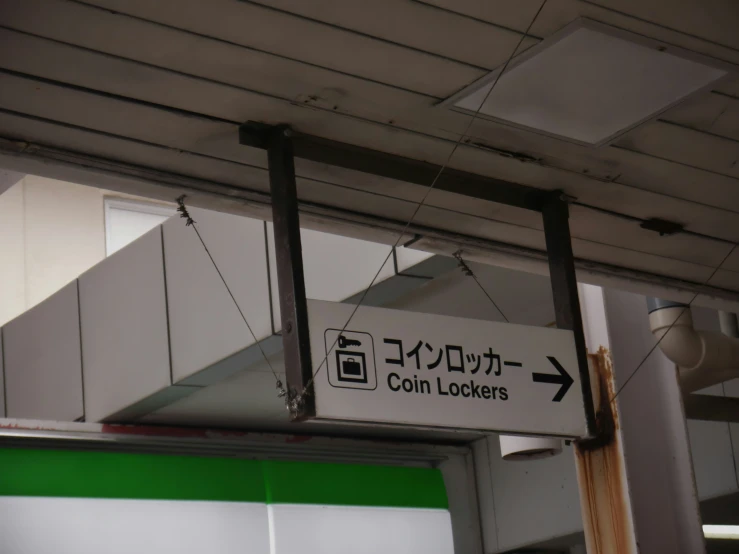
pixel 64 234
pixel 335 267
pixel 43 361
pixel 205 325
pixel 310 529
pixel 125 347
pixel 406 258
pixel 533 500
pixel 12 253
pixel 38 525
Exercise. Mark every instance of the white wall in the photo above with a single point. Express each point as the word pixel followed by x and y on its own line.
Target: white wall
pixel 12 254
pixel 64 234
pixel 39 525
pixel 50 232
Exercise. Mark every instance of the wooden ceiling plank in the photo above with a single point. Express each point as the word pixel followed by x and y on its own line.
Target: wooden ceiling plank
pixel 626 167
pixel 157 122
pixel 601 228
pixel 323 45
pixel 556 15
pixel 516 15
pixel 219 140
pixel 699 112
pixel 416 25
pixel 107 146
pixel 585 249
pixel 684 145
pixel 631 169
pixel 714 113
pixel 727 124
pixel 732 262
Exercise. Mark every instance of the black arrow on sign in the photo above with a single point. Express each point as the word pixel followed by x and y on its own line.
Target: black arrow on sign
pixel 563 379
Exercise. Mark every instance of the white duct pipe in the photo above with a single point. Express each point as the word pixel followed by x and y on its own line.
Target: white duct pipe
pixel 704 358
pixel 515 448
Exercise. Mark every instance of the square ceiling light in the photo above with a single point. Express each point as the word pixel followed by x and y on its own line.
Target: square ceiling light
pixel 589 83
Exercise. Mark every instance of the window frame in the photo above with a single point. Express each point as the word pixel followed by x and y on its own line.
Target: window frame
pixel 131 205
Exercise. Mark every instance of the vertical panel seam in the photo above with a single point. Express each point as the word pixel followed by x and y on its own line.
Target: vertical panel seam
pixel 82 360
pixel 166 306
pixel 492 493
pixel 470 464
pixel 24 235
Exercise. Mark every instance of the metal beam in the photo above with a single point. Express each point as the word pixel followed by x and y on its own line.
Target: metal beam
pixel 711 408
pixel 564 290
pixel 399 168
pixel 290 278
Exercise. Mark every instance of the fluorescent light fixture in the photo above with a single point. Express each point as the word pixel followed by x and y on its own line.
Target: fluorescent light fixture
pixel 721 531
pixel 589 83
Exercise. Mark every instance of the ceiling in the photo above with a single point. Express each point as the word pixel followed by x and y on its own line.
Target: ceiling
pixel 157 90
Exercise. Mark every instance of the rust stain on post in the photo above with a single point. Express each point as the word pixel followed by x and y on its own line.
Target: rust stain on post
pixel 604 494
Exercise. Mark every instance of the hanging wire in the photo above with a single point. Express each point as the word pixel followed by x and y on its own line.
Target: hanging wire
pixel 300 397
pixel 190 222
pixel 687 307
pixel 467 270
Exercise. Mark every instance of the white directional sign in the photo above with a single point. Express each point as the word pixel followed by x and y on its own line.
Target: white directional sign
pixel 399 367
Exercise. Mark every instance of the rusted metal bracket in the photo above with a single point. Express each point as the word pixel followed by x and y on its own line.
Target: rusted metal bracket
pixel 562 276
pixel 290 276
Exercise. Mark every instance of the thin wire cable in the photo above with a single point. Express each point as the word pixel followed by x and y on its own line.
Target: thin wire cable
pixel 184 213
pixel 421 203
pixel 467 270
pixel 633 374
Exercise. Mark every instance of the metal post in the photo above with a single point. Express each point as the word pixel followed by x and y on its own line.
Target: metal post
pixel 290 278
pixel 637 489
pixel 562 275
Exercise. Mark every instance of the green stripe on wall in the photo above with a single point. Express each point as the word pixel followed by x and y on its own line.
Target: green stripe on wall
pixel 149 476
pixel 354 485
pixel 143 476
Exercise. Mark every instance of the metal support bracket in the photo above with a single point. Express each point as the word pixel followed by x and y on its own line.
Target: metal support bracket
pixel 555 214
pixel 282 144
pixel 290 277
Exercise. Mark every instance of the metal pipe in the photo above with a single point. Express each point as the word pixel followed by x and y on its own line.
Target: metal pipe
pixel 703 358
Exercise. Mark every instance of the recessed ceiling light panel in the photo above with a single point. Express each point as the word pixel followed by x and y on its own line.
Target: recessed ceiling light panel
pixel 589 83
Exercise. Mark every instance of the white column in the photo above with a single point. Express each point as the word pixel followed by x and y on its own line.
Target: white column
pixel 649 471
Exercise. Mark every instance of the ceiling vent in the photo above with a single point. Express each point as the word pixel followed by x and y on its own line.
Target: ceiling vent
pixel 589 83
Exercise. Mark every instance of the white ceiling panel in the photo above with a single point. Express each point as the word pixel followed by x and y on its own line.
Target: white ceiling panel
pixel 311 42
pixel 561 86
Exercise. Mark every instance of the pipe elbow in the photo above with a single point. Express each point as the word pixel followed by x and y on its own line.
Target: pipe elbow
pixel 682 344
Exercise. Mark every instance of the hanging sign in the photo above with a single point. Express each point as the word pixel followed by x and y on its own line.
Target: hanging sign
pixel 399 367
